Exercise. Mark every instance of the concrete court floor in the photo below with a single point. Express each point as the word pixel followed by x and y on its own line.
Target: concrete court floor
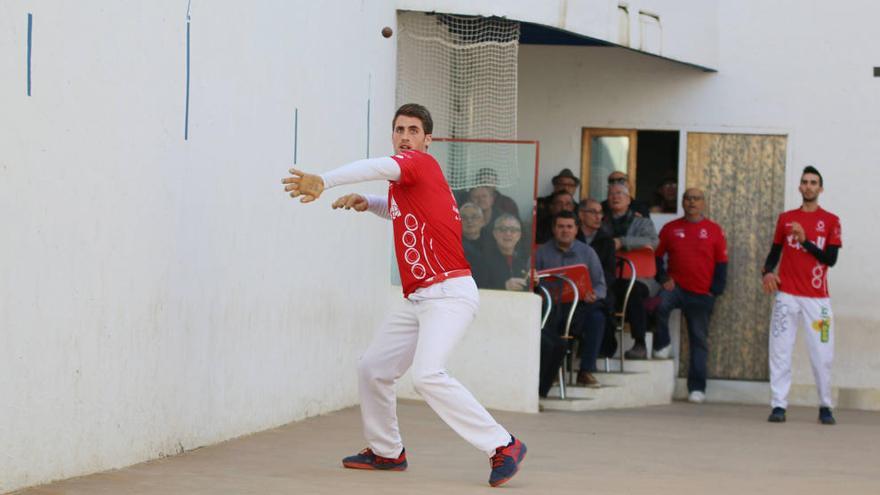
pixel 675 449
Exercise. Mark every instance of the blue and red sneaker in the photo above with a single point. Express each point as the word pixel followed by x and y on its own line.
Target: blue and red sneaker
pixel 367 459
pixel 505 462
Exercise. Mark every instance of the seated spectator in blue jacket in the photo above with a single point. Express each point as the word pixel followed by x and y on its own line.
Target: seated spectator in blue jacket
pixel 506 260
pixel 589 320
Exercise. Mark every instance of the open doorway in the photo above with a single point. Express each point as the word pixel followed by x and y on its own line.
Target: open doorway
pixel 648 157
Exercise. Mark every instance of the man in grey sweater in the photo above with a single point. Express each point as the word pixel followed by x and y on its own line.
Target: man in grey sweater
pixel 589 322
pixel 630 231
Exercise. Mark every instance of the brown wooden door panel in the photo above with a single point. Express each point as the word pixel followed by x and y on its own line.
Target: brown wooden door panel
pixel 743 178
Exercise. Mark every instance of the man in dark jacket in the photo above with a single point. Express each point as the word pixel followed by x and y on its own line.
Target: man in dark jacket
pixel 590 232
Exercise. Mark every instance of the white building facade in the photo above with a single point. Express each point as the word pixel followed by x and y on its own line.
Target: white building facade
pixel 159 291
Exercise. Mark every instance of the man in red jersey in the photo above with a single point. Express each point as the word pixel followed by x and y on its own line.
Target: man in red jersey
pixel 697 274
pixel 808 239
pixel 441 299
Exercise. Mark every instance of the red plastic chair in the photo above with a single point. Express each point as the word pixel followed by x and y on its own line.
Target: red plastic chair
pixel 576 285
pixel 632 264
pixel 642 259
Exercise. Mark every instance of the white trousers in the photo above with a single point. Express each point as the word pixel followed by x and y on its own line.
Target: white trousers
pixel 815 314
pixel 422 333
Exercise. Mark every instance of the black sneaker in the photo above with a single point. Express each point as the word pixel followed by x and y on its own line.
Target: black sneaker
pixel 825 416
pixel 638 351
pixel 777 416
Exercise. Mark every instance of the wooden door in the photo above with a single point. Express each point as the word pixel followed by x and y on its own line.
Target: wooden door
pixel 742 176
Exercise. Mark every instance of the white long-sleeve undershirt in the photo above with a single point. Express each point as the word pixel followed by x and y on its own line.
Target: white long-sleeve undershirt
pixel 378 206
pixel 383 168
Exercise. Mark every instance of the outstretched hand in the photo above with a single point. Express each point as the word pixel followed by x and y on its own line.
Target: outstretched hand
pixel 306 186
pixel 351 201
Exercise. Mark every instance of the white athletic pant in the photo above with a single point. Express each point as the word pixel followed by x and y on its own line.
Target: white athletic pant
pixel 788 313
pixel 422 332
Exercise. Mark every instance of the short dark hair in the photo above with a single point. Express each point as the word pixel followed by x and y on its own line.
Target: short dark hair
pixel 809 169
pixel 561 193
pixel 565 214
pixel 417 111
pixel 582 205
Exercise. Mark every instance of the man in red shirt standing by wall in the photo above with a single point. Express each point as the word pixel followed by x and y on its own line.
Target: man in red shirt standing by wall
pixel 808 239
pixel 441 299
pixel 696 275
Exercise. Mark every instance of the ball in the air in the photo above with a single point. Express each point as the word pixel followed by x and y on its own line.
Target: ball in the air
pixel 387 32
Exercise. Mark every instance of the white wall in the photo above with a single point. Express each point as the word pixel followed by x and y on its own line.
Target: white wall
pixel 158 294
pixel 689 28
pixel 803 69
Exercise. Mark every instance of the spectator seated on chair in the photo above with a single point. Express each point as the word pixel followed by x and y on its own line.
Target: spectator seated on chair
pixel 588 324
pixel 507 260
pixel 474 242
pixel 666 196
pixel 591 233
pixel 640 208
pixel 630 232
pixel 559 201
pixel 565 181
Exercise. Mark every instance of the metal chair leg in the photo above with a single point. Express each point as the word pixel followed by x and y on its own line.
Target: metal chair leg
pixel 561 384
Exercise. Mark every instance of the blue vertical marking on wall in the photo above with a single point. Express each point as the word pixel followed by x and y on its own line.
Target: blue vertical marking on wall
pixel 368 128
pixel 295 132
pixel 186 110
pixel 369 95
pixel 30 38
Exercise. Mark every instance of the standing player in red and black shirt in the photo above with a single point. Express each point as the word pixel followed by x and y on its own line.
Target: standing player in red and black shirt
pixel 808 239
pixel 697 274
pixel 441 299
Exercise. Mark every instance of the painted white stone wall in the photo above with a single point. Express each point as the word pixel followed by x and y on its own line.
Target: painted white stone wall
pixel 689 29
pixel 158 294
pixel 803 69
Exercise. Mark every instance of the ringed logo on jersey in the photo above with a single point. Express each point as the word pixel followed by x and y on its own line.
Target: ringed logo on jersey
pixel 704 234
pixel 409 240
pixel 820 226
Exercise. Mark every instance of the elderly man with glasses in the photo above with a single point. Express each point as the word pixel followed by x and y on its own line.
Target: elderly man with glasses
pixel 630 231
pixel 640 208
